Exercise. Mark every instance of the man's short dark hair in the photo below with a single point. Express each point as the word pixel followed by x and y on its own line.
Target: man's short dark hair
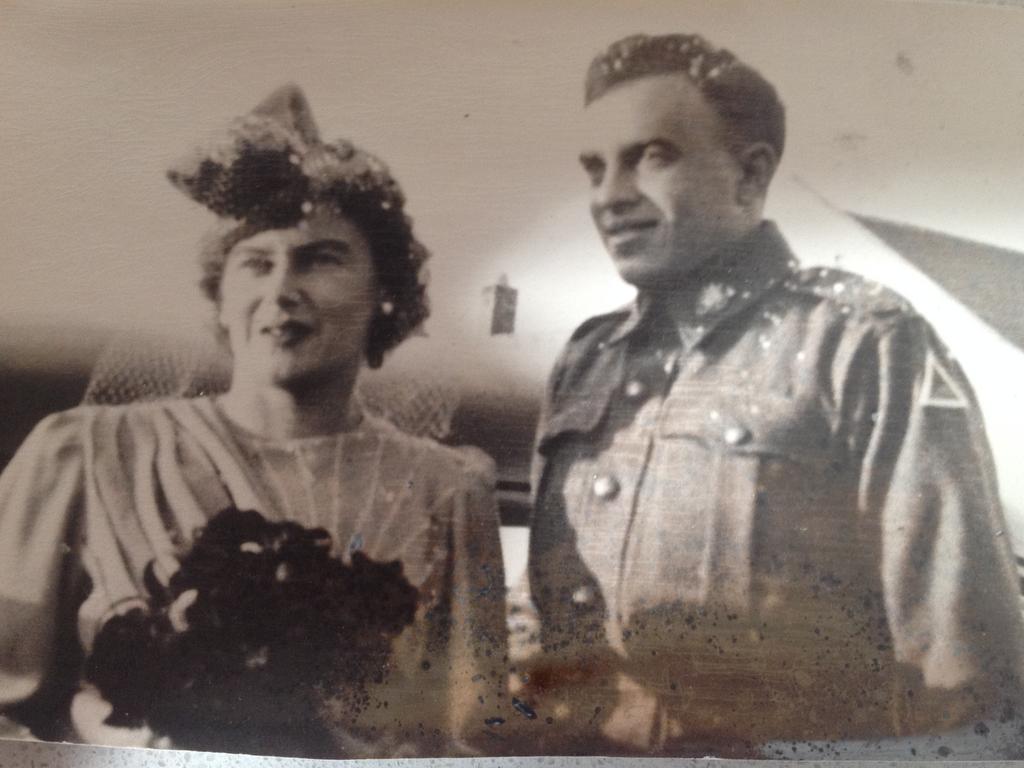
pixel 747 104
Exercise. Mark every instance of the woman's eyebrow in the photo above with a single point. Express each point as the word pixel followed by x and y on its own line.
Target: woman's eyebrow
pixel 342 246
pixel 252 250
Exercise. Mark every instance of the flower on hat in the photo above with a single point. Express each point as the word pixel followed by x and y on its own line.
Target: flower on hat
pixel 266 164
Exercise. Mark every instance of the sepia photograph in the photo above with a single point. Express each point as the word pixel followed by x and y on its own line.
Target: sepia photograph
pixel 392 380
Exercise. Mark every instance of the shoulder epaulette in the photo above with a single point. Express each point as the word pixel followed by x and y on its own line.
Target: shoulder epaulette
pixel 850 293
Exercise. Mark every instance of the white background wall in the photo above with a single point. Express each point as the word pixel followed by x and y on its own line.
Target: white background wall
pixel 908 110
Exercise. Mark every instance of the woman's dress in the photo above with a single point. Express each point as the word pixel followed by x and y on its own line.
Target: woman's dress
pixel 97 493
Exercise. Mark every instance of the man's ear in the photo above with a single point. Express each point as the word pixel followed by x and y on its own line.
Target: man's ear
pixel 757 166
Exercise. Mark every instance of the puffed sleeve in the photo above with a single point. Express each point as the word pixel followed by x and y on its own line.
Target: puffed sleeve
pixel 41 499
pixel 479 703
pixel 946 569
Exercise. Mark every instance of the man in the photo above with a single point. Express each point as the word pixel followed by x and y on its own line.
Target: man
pixel 765 506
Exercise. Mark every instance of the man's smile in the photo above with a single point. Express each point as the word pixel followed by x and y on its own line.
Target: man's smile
pixel 628 227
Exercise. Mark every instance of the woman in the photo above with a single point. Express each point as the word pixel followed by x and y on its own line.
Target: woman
pixel 312 270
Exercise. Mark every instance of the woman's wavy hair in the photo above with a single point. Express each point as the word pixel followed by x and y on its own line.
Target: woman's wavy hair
pixel 269 168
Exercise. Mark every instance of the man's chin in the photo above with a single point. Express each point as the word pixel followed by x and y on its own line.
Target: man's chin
pixel 645 276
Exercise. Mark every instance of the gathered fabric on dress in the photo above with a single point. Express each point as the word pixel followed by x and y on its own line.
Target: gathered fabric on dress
pixel 98 493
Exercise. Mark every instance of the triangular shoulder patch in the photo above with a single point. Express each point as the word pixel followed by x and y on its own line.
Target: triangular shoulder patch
pixel 940 389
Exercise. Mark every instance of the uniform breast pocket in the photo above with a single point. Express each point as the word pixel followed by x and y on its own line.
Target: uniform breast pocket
pixel 710 461
pixel 742 422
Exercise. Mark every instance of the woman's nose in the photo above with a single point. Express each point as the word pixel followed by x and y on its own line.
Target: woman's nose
pixel 284 287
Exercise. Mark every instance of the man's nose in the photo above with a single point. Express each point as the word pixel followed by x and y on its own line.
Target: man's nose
pixel 616 191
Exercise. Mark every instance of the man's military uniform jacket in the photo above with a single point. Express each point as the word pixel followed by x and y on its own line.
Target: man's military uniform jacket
pixel 778 522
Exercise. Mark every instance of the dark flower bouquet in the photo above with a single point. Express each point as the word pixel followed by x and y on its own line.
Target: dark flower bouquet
pixel 257 631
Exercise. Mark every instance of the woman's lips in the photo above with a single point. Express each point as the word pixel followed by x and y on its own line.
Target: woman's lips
pixel 287 333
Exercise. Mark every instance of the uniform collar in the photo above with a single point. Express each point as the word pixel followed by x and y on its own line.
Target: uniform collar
pixel 728 284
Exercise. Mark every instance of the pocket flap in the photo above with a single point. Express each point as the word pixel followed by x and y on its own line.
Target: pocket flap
pixel 580 416
pixel 743 421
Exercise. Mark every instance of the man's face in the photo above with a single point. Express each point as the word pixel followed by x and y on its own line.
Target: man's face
pixel 664 188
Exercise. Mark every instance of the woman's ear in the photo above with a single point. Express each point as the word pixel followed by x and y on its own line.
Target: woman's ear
pixel 378 328
pixel 757 167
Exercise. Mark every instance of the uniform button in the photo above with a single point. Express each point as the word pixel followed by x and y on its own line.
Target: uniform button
pixel 736 435
pixel 635 389
pixel 606 487
pixel 583 596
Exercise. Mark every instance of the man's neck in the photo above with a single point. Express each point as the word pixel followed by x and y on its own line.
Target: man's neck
pixel 683 300
pixel 286 413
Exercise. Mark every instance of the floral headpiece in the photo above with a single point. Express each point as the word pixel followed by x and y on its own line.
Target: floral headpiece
pixel 268 167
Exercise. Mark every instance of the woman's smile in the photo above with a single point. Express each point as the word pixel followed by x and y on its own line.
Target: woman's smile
pixel 297 303
pixel 287 333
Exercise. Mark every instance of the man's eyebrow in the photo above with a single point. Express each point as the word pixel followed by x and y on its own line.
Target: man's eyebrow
pixel 590 158
pixel 658 141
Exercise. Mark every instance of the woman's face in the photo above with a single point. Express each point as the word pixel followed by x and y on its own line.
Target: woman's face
pixel 297 303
